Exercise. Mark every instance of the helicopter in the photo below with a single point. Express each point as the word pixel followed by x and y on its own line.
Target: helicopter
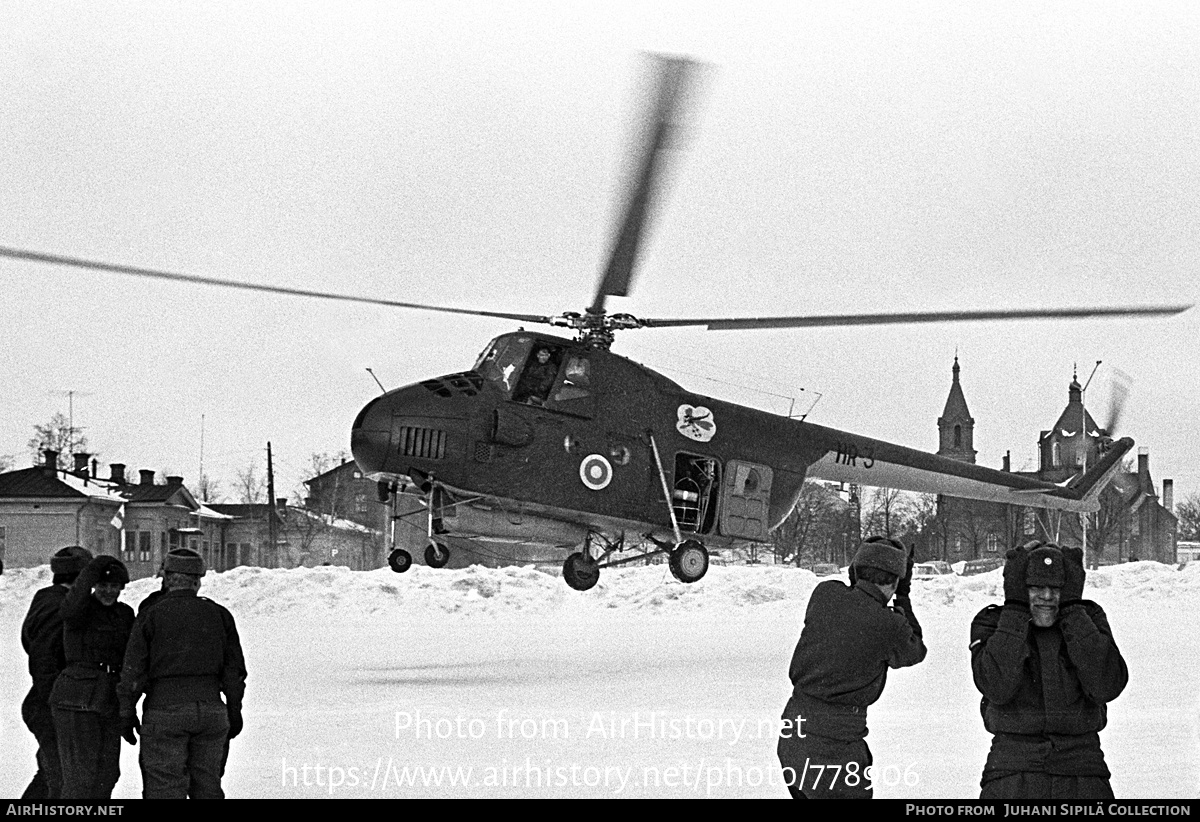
pixel 555 440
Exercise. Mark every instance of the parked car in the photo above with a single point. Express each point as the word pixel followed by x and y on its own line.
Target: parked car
pixel 981 566
pixel 931 570
pixel 826 569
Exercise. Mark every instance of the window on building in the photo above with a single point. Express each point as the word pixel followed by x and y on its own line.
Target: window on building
pixel 1055 455
pixel 958 543
pixel 144 546
pixel 3 541
pixel 1029 521
pixel 993 543
pixel 958 436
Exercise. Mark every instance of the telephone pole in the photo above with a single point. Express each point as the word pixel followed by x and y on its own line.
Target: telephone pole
pixel 271 506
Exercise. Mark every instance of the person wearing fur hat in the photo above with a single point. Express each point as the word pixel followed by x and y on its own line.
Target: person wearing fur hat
pixel 1047 666
pixel 84 698
pixel 849 641
pixel 184 654
pixel 42 639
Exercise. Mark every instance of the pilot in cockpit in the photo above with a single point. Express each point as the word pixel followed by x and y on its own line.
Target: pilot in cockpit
pixel 535 384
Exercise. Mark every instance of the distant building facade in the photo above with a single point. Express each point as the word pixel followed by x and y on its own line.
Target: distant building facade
pixel 44 508
pixel 1133 521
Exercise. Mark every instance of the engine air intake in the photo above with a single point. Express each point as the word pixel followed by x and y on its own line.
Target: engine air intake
pixel 427 443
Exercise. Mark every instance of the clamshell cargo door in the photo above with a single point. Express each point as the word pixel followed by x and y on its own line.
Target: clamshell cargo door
pixel 747 496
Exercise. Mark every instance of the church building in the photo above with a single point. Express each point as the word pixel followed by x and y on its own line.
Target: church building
pixel 1133 522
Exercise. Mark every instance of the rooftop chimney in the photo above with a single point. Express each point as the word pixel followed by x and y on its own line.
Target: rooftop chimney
pixel 1008 462
pixel 81 464
pixel 118 472
pixel 51 463
pixel 174 480
pixel 1168 500
pixel 281 503
pixel 147 476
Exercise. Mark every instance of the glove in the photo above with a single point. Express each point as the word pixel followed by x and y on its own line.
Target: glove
pixel 1016 559
pixel 904 586
pixel 130 728
pixel 1073 576
pixel 235 720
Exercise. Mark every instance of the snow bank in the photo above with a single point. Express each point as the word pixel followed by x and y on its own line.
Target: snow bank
pixel 330 591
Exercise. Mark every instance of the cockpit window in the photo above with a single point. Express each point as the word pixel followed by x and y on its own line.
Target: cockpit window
pixel 540 374
pixel 501 362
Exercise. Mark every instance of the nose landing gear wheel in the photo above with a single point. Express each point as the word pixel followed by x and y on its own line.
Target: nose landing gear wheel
pixel 580 572
pixel 688 561
pixel 399 560
pixel 436 555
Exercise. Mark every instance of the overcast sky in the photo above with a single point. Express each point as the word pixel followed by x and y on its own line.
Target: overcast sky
pixel 846 157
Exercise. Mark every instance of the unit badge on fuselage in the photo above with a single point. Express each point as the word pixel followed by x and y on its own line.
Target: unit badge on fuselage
pixel 696 423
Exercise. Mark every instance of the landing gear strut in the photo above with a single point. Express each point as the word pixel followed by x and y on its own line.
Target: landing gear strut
pixel 688 561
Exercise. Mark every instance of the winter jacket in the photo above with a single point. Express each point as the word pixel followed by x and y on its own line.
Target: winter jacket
pixel 94 638
pixel 840 664
pixel 1046 690
pixel 42 639
pixel 183 649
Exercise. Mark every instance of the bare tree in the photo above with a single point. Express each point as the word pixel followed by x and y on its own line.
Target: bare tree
pixel 208 489
pixel 6 462
pixel 1188 513
pixel 816 530
pixel 57 435
pixel 886 511
pixel 250 488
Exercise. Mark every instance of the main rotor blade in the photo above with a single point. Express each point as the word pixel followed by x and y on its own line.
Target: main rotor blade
pixel 92 265
pixel 833 320
pixel 664 119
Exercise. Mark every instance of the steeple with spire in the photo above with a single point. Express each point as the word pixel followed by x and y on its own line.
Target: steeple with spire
pixel 956 428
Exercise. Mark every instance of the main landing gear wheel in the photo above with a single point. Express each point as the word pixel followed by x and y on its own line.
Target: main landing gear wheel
pixel 688 561
pixel 436 555
pixel 399 560
pixel 581 572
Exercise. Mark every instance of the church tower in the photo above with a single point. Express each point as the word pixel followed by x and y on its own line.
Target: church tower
pixel 956 428
pixel 1074 438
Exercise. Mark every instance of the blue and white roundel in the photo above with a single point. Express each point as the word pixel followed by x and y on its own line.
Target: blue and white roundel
pixel 595 471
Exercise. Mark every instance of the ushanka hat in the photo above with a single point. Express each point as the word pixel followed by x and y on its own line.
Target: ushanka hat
pixel 1045 567
pixel 114 571
pixel 70 560
pixel 184 561
pixel 883 553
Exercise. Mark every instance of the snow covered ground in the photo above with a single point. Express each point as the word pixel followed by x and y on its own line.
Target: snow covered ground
pixel 503 682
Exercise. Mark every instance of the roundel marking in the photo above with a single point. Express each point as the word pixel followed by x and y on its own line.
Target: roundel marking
pixel 595 471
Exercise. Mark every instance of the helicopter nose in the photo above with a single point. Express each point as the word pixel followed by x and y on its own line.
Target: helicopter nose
pixel 370 438
pixel 418 429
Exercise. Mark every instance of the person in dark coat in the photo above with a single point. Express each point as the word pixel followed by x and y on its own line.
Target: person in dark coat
pixel 42 639
pixel 83 701
pixel 849 641
pixel 184 654
pixel 538 378
pixel 1047 666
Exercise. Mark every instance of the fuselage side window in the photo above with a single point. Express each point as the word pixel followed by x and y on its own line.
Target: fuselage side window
pixel 577 379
